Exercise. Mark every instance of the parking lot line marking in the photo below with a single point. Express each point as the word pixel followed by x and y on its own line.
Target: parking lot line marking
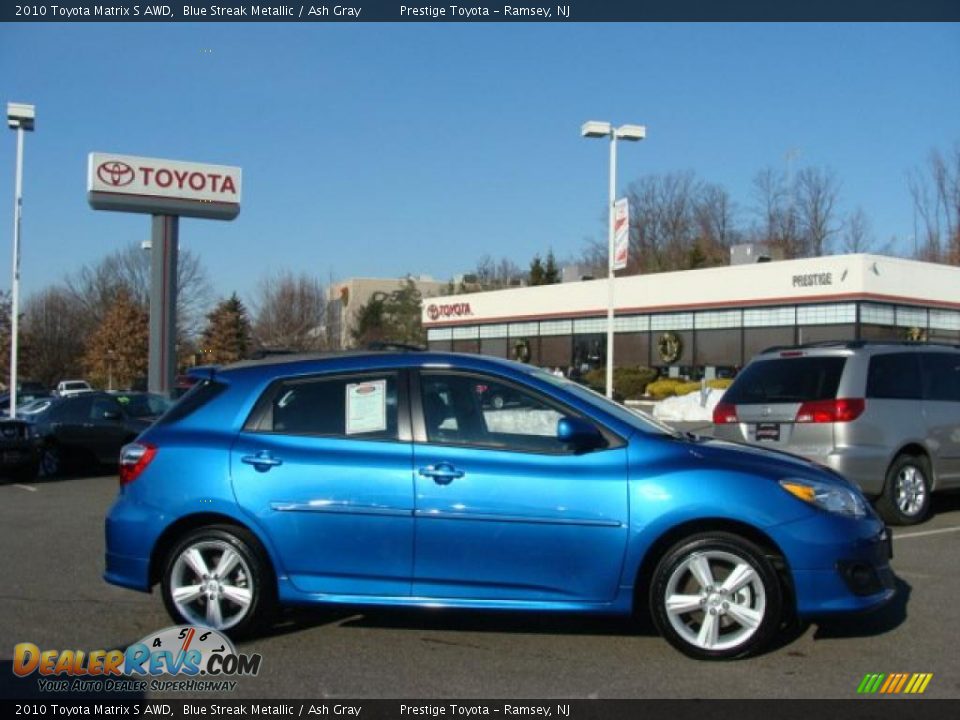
pixel 924 533
pixel 25 487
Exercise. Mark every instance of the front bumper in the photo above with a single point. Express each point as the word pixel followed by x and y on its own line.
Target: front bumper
pixel 838 564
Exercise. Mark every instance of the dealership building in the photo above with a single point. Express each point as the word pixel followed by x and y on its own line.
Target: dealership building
pixel 709 321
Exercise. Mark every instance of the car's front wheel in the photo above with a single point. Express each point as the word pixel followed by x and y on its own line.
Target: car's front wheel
pixel 716 596
pixel 218 577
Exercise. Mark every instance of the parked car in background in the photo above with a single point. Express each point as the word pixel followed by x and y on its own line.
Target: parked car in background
pixel 143 405
pixel 382 478
pixel 72 387
pixel 83 428
pixel 884 415
pixel 18 450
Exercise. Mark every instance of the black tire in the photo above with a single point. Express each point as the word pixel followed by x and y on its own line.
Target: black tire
pixel 51 460
pixel 905 499
pixel 758 605
pixel 253 573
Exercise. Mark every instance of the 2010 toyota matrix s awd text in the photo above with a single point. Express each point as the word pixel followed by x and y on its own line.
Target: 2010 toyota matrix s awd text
pixel 380 478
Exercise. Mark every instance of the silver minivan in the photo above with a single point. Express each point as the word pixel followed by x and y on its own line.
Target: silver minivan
pixel 884 415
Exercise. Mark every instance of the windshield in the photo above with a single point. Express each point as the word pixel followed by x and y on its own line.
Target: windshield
pixel 75 386
pixel 636 418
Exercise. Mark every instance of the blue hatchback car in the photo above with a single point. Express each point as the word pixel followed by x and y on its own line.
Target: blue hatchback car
pixel 382 478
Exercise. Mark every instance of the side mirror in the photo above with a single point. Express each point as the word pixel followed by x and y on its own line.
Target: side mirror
pixel 578 433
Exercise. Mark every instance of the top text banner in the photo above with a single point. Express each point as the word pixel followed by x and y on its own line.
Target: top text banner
pixel 162 187
pixel 523 11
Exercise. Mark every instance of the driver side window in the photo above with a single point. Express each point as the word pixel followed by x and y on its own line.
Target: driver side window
pixel 482 412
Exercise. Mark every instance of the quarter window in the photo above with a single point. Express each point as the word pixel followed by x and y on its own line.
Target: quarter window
pixel 481 412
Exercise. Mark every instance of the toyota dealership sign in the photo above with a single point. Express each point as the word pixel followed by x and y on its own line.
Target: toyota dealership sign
pixel 163 187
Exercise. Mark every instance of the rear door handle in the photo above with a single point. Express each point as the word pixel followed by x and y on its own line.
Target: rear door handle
pixel 262 461
pixel 442 473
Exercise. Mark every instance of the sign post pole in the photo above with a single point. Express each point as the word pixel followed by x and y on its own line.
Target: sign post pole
pixel 163 307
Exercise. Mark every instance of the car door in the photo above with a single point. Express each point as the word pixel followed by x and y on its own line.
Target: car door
pixel 324 465
pixel 941 411
pixel 104 430
pixel 504 510
pixel 70 422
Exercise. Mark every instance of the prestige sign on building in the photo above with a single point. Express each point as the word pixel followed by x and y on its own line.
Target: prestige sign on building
pixel 170 187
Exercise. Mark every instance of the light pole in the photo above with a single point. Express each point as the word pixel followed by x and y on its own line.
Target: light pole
pixel 595 129
pixel 20 117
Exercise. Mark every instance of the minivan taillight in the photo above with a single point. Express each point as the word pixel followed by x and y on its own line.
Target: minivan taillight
pixel 828 411
pixel 134 459
pixel 724 414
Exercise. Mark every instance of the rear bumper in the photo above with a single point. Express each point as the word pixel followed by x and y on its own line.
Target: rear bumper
pixel 838 564
pixel 131 531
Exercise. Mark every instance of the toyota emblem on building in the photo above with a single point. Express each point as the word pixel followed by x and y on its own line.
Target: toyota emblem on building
pixel 115 173
pixel 433 311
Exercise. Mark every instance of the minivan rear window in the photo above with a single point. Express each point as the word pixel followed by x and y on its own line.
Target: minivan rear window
pixel 787 380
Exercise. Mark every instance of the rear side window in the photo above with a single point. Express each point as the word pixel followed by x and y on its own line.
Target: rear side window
pixel 194 399
pixel 787 380
pixel 894 376
pixel 941 376
pixel 361 407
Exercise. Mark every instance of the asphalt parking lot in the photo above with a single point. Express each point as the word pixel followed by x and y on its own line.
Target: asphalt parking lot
pixel 53 595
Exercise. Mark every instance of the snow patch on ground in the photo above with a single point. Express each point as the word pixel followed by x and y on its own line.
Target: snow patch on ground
pixel 688 408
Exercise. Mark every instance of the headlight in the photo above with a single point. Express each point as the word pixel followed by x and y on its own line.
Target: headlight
pixel 832 498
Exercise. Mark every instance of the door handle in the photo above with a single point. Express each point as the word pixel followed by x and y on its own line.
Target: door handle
pixel 442 473
pixel 262 461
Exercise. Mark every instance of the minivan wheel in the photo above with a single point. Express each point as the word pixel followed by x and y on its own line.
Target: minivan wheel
pixel 218 577
pixel 906 493
pixel 716 596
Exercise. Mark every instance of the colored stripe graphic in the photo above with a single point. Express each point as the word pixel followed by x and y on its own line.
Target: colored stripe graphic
pixel 894 683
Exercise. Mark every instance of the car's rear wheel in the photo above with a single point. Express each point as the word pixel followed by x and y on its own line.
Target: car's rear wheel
pixel 51 460
pixel 716 596
pixel 218 577
pixel 905 499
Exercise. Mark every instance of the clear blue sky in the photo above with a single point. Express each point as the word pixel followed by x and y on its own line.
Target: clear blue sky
pixel 378 150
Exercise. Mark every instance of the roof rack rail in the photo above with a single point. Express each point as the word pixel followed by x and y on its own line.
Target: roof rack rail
pixel 854 344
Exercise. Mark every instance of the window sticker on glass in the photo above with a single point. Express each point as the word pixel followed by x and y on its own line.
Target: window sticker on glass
pixel 367 407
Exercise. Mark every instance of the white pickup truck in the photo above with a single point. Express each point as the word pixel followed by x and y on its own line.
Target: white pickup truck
pixel 73 387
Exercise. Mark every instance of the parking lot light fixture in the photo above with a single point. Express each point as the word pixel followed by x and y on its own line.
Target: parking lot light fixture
pixel 599 129
pixel 20 117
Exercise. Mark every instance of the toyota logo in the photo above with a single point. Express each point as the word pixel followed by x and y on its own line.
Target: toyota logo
pixel 433 311
pixel 115 173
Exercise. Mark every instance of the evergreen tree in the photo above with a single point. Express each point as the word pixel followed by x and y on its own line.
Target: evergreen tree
pixel 116 353
pixel 226 338
pixel 551 273
pixel 391 317
pixel 537 275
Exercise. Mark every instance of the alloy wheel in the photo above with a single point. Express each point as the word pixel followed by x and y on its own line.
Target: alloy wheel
pixel 211 584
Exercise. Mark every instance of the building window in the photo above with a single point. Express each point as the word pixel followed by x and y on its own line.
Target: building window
pixel 672 321
pixel 714 319
pixel 523 329
pixel 471 332
pixel 770 317
pixel 589 325
pixel 631 323
pixel 437 334
pixel 912 317
pixel 493 331
pixel 873 314
pixel 944 320
pixel 835 314
pixel 556 327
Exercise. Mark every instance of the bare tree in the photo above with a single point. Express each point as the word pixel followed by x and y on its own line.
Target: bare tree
pixel 290 312
pixel 936 198
pixel 775 205
pixel 94 287
pixel 816 191
pixel 857 234
pixel 53 335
